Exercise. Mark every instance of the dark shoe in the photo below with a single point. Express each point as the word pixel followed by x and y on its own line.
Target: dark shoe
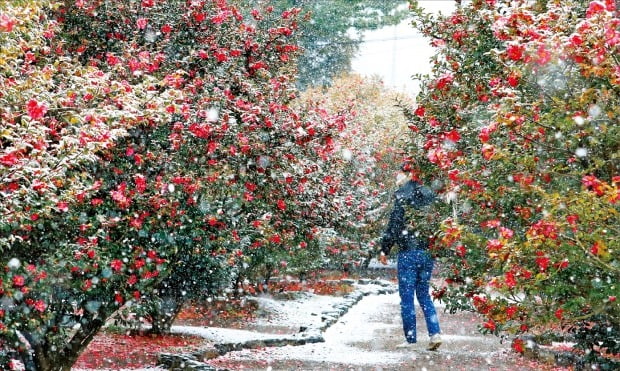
pixel 434 343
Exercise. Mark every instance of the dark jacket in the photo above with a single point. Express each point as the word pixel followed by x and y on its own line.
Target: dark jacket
pixel 410 194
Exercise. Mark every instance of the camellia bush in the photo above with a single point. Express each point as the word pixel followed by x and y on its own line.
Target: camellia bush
pixel 361 175
pixel 518 124
pixel 56 289
pixel 150 155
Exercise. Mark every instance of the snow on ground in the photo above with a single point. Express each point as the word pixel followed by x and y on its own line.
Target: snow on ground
pixel 221 335
pixel 304 310
pixel 300 312
pixel 367 338
pixel 340 343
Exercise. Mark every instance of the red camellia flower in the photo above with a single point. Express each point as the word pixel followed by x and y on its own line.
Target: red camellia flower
pixel 559 313
pixel 199 17
pixel 515 52
pixel 543 228
pixel 19 280
pixel 221 56
pixel 7 23
pixel 510 279
pixel 444 81
pixel 484 135
pixel 511 311
pixel 63 206
pixel 40 306
pixel 518 345
pixel 572 219
pixel 488 151
pixel 594 8
pixel 593 183
pixel 141 23
pixel 35 109
pixel 597 248
pixel 200 130
pixel 610 5
pixel 506 233
pixel 575 40
pixel 281 205
pixel 39 186
pixel 135 223
pixel 453 135
pixel 140 181
pixel 9 159
pixel 116 265
pixel 119 197
pixel 513 80
pixel 544 56
pixel 112 60
pixel 542 262
pixel 166 28
pixel 490 324
pixel 494 245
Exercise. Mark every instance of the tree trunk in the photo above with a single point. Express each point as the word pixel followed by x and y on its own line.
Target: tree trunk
pixel 46 358
pixel 166 313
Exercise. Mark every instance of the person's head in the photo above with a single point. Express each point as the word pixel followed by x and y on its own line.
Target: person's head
pixel 401 178
pixel 407 172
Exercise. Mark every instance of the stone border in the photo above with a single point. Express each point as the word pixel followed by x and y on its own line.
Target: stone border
pixel 306 335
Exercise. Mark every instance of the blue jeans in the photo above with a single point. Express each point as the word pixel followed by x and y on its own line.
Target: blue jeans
pixel 414 273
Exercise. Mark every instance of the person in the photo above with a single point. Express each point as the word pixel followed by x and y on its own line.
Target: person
pixel 415 263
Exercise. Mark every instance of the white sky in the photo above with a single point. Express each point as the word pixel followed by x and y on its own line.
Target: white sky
pixel 396 53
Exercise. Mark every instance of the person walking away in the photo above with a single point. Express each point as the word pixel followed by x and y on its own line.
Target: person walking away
pixel 415 263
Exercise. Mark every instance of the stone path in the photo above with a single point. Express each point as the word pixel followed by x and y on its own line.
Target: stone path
pixel 366 338
pixel 359 332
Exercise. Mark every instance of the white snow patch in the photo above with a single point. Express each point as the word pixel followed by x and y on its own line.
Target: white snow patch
pixel 375 264
pixel 339 345
pixel 221 335
pixel 14 264
pixel 305 310
pixel 581 152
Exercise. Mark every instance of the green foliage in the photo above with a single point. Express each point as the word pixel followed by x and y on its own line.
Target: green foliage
pixel 362 173
pixel 332 36
pixel 599 332
pixel 139 170
pixel 516 120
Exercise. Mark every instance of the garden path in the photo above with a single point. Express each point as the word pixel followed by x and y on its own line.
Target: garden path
pixel 366 338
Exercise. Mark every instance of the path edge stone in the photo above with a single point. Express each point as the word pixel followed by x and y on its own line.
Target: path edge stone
pixel 307 335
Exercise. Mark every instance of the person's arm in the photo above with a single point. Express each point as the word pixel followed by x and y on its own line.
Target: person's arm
pixel 424 196
pixel 394 227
